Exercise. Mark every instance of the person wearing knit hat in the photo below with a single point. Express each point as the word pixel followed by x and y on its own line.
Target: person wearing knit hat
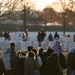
pixel 57 47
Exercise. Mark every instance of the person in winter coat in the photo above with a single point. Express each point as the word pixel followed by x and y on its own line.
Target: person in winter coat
pixel 39 38
pixel 52 63
pixel 37 57
pixel 62 61
pixel 5 35
pixel 13 58
pixel 2 67
pixel 43 35
pixel 30 64
pixel 50 37
pixel 41 54
pixel 12 53
pixel 56 35
pixel 49 51
pixel 39 60
pixel 71 62
pixel 12 47
pixel 19 69
pixel 57 47
pixel 24 36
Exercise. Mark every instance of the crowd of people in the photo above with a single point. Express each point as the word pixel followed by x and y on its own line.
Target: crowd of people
pixel 41 36
pixel 38 62
pixel 24 36
pixel 19 34
pixel 6 35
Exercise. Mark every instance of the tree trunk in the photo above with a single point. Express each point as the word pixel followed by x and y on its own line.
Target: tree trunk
pixel 64 24
pixel 24 19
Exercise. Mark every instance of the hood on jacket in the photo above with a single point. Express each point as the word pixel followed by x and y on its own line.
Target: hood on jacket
pixel 57 47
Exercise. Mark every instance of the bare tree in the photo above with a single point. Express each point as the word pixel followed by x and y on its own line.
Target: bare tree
pixel 10 6
pixel 65 6
pixel 64 16
pixel 48 15
pixel 27 5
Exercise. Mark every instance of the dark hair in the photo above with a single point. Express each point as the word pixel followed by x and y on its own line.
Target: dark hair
pixel 30 48
pixel 12 44
pixel 34 50
pixel 23 53
pixel 41 49
pixel 31 54
pixel 49 51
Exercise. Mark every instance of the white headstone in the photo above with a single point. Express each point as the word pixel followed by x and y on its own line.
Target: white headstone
pixel 35 45
pixel 43 45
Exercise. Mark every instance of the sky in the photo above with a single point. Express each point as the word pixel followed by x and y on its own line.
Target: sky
pixel 40 4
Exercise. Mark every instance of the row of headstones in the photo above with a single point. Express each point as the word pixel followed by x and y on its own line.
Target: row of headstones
pixel 23 45
pixel 19 44
pixel 64 45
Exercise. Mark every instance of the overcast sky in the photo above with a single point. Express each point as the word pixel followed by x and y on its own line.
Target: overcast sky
pixel 40 4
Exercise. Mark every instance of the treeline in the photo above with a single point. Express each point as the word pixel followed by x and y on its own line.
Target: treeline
pixel 35 28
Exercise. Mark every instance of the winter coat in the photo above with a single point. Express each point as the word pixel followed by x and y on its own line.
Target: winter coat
pixel 12 57
pixel 50 37
pixel 62 61
pixel 52 64
pixel 30 66
pixel 71 61
pixel 43 34
pixel 56 35
pixel 39 37
pixel 2 67
pixel 57 47
pixel 19 69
